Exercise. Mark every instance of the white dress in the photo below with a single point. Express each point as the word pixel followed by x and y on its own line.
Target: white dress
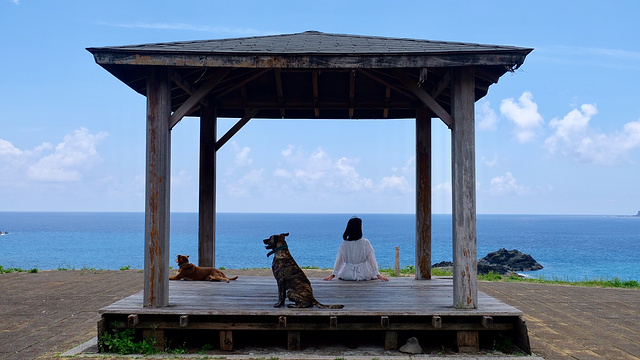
pixel 356 260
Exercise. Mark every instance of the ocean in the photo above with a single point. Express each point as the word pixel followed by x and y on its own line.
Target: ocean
pixel 569 247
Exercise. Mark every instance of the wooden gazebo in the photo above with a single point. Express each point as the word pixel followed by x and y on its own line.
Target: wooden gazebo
pixel 310 75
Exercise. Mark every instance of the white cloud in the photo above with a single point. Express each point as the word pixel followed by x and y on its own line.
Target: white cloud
pixel 444 187
pixel 69 160
pixel 490 163
pixel 249 181
pixel 524 115
pixel 349 179
pixel 395 185
pixel 487 117
pixel 506 185
pixel 242 156
pixel 575 138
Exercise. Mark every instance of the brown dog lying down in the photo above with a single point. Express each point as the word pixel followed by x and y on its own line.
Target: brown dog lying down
pixel 292 282
pixel 190 271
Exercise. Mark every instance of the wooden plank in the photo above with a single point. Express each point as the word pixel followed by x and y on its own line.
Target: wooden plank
pixel 423 195
pixel 242 323
pixel 255 296
pixel 207 188
pixel 465 287
pixel 157 188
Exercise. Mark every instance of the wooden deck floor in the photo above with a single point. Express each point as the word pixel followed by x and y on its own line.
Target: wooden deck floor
pixel 256 295
pixel 246 304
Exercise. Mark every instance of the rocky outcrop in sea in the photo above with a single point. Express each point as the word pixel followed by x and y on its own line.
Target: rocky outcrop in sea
pixel 503 262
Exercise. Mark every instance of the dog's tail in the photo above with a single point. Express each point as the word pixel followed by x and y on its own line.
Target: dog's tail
pixel 323 306
pixel 233 278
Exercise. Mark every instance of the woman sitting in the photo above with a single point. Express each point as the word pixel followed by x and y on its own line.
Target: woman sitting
pixel 356 259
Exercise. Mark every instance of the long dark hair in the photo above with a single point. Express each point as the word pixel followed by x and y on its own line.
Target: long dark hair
pixel 353 230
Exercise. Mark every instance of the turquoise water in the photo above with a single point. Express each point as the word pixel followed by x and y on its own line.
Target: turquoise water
pixel 569 247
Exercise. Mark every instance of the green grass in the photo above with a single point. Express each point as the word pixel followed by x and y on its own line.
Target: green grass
pixel 4 270
pixel 604 282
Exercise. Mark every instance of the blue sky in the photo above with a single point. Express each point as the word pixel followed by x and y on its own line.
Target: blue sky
pixel 559 136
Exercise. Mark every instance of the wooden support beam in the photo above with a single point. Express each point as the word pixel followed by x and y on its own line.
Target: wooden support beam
pixel 235 128
pixel 280 93
pixel 423 195
pixel 441 85
pixel 240 84
pixel 333 322
pixel 425 98
pixel 387 97
pixel 386 83
pixel 133 320
pixel 314 78
pixel 487 322
pixel 436 321
pixel 352 91
pixel 226 340
pixel 467 341
pixel 198 95
pixel 157 188
pixel 207 188
pixel 293 340
pixel 465 280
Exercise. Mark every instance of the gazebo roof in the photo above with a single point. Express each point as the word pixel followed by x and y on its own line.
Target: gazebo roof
pixel 311 74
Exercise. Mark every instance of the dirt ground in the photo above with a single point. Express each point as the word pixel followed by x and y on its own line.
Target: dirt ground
pixel 49 312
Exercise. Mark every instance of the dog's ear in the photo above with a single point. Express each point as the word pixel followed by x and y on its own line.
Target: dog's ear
pixel 187 256
pixel 285 234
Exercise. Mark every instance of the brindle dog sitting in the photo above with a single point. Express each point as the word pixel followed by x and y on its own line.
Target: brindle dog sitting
pixel 292 282
pixel 190 271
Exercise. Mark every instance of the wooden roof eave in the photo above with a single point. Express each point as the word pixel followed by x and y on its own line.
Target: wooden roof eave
pixel 509 58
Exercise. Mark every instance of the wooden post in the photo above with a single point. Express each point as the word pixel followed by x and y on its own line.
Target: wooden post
pixel 397 265
pixel 293 340
pixel 226 340
pixel 158 175
pixel 207 202
pixel 467 341
pixel 465 287
pixel 423 194
pixel 391 340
